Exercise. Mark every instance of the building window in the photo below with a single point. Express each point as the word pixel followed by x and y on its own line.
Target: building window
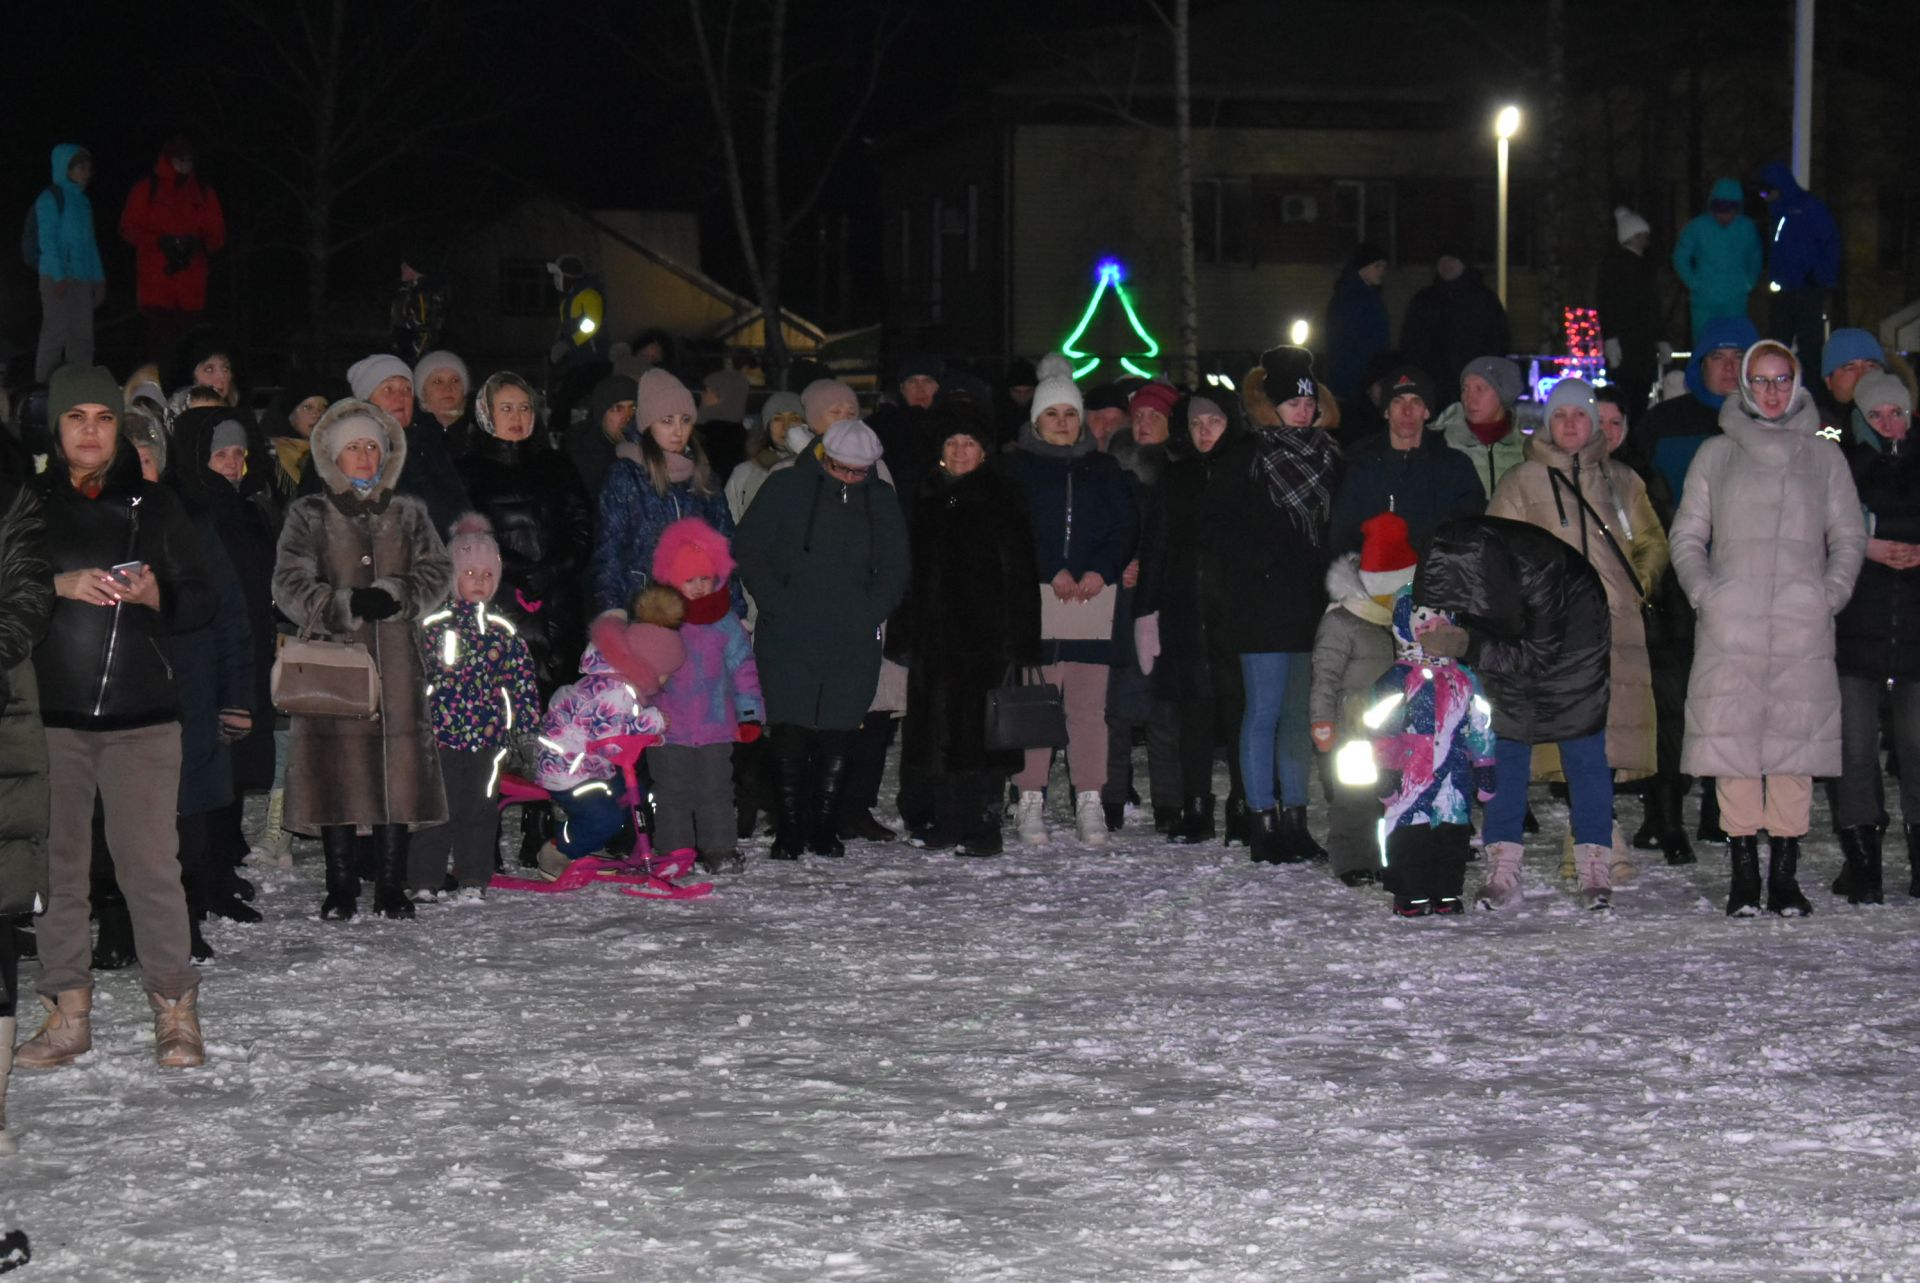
pixel 525 289
pixel 1223 220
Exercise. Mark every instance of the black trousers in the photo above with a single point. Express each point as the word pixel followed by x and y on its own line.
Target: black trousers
pixel 1428 861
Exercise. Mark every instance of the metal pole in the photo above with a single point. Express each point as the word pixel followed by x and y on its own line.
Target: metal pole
pixel 1500 233
pixel 1802 91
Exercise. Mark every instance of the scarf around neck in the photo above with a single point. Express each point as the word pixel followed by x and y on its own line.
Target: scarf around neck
pixel 1297 465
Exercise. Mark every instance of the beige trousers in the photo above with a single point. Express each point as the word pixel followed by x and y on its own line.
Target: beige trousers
pixel 1780 804
pixel 1084 688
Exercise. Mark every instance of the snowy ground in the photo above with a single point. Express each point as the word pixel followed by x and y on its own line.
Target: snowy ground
pixel 1144 1064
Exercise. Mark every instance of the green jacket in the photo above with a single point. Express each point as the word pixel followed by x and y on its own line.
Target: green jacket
pixel 1490 463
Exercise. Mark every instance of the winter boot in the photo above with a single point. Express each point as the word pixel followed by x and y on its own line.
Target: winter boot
pixel 1502 887
pixel 276 844
pixel 792 783
pixel 1234 827
pixel 176 1031
pixel 1408 906
pixel 1709 830
pixel 1265 842
pixel 390 875
pixel 8 1027
pixel 1743 892
pixel 1114 815
pixel 67 1033
pixel 1622 868
pixel 829 781
pixel 860 826
pixel 1783 888
pixel 1196 823
pixel 536 830
pixel 1861 845
pixel 1032 821
pixel 1167 818
pixel 1673 825
pixel 1652 821
pixel 339 846
pixel 114 950
pixel 1596 884
pixel 727 861
pixel 1089 819
pixel 1293 820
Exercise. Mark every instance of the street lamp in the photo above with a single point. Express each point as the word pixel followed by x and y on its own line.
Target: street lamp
pixel 1505 126
pixel 1297 333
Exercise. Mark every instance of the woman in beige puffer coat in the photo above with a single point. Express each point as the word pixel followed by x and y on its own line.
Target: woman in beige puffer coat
pixel 1766 544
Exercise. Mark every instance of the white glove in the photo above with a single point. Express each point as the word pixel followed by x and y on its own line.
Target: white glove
pixel 1146 641
pixel 1665 349
pixel 1612 349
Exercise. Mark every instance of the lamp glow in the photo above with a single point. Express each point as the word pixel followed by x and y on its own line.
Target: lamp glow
pixel 1298 331
pixel 1507 123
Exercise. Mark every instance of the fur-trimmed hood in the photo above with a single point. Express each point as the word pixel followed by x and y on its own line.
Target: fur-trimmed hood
pixel 691 533
pixel 341 424
pixel 1345 590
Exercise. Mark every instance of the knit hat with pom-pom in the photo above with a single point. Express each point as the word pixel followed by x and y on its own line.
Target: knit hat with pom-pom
pixel 471 545
pixel 692 549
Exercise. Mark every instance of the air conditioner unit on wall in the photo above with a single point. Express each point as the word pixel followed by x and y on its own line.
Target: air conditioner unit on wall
pixel 1299 209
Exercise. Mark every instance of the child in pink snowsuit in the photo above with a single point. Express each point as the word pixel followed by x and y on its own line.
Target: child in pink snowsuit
pixel 711 701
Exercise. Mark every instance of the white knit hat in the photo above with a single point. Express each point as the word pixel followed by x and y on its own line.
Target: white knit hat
pixel 1052 365
pixel 1054 390
pixel 1627 224
pixel 440 361
pixel 369 372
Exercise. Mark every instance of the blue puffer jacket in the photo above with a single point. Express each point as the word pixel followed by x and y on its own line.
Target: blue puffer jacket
pixel 1804 238
pixel 68 251
pixel 633 516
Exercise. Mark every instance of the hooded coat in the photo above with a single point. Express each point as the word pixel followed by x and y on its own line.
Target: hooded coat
pixel 1537 622
pixel 1767 544
pixel 1879 631
pixel 1541 492
pixel 827 563
pixel 973 613
pixel 1718 265
pixel 170 206
pixel 1351 649
pixel 26 602
pixel 383 770
pixel 1804 241
pixel 1434 735
pixel 543 521
pixel 1673 431
pixel 243 518
pixel 68 250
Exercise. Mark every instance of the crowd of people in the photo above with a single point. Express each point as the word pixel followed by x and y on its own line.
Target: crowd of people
pixel 1431 612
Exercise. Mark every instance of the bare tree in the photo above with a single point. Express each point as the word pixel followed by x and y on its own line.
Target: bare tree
pixel 743 38
pixel 363 89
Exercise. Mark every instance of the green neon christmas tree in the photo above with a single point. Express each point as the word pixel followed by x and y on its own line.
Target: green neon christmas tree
pixel 1108 276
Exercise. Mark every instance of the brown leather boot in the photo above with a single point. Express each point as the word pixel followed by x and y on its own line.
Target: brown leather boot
pixel 67 1033
pixel 176 1031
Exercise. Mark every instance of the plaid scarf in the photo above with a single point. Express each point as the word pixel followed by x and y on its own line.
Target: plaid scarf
pixel 1298 465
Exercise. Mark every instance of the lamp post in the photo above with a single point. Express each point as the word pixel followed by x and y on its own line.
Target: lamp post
pixel 1505 126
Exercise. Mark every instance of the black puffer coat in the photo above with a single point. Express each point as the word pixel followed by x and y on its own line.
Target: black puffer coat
pixel 1536 613
pixel 1877 634
pixel 105 668
pixel 1277 575
pixel 1186 567
pixel 26 601
pixel 247 522
pixel 973 612
pixel 543 522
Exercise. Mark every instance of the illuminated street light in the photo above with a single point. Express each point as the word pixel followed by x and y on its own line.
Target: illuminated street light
pixel 1505 126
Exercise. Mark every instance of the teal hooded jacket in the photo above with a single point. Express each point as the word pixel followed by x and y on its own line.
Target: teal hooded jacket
pixel 1718 263
pixel 68 251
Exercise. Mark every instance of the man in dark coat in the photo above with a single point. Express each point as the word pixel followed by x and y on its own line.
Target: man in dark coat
pixel 1449 323
pixel 1358 327
pixel 1404 469
pixel 907 428
pixel 1626 289
pixel 823 550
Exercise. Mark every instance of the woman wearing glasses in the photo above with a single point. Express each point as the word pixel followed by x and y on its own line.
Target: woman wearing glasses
pixel 1879 634
pixel 1766 545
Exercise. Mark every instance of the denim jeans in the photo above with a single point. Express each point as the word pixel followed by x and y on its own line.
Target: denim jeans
pixel 1589 789
pixel 1275 724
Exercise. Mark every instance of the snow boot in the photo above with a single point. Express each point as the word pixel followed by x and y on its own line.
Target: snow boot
pixel 1167 818
pixel 1196 823
pixel 8 1027
pixel 536 830
pixel 1266 842
pixel 15 1251
pixel 1743 891
pixel 830 767
pixel 276 843
pixel 1114 814
pixel 1709 830
pixel 1596 884
pixel 390 874
pixel 1861 846
pixel 1234 825
pixel 1032 822
pixel 177 1043
pixel 1621 866
pixel 1502 887
pixel 1673 824
pixel 551 862
pixel 338 846
pixel 1089 819
pixel 1652 818
pixel 860 826
pixel 1407 906
pixel 114 950
pixel 67 1033
pixel 1784 896
pixel 791 785
pixel 727 861
pixel 1293 821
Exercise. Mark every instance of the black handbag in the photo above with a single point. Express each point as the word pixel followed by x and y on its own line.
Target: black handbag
pixel 1025 713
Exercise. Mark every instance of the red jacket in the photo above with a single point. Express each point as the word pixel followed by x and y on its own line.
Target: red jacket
pixel 168 204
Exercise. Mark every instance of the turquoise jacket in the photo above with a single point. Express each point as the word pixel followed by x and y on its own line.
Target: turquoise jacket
pixel 1720 264
pixel 68 251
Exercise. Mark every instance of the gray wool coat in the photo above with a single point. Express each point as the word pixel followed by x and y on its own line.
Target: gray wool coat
pixel 383 770
pixel 1766 544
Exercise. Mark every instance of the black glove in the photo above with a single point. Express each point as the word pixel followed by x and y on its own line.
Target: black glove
pixel 1388 785
pixel 373 604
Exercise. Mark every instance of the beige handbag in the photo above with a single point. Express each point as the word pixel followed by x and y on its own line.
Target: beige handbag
pixel 324 679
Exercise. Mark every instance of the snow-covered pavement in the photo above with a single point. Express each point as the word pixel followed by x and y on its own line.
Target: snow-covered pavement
pixel 1141 1064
